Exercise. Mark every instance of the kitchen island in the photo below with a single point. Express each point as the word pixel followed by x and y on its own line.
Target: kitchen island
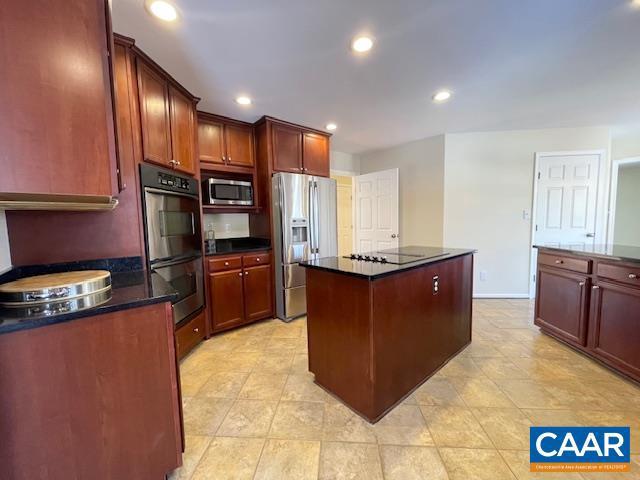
pixel 589 298
pixel 380 326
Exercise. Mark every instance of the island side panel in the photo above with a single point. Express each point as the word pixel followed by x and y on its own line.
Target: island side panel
pixel 339 332
pixel 91 398
pixel 416 330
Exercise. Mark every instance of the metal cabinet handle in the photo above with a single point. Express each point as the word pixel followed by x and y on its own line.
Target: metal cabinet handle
pixel 581 284
pixel 196 330
pixel 395 235
pixel 595 287
pixel 633 276
pixel 246 273
pixel 559 262
pixel 240 274
pixel 226 264
pixel 224 158
pixel 229 158
pixel 591 235
pixel 257 259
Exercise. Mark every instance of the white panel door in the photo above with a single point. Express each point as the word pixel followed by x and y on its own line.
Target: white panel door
pixel 566 200
pixel 377 211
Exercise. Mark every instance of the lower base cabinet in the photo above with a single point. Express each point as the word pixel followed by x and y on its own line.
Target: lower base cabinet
pixel 615 326
pixel 190 334
pixel 592 304
pixel 240 290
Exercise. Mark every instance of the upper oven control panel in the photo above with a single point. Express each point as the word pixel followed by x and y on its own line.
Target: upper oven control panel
pixel 154 177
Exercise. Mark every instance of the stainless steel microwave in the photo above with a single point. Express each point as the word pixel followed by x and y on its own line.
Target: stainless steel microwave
pixel 220 191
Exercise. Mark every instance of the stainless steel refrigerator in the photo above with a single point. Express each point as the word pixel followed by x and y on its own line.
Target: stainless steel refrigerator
pixel 304 228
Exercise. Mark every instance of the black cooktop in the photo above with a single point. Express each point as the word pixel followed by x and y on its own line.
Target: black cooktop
pixel 399 256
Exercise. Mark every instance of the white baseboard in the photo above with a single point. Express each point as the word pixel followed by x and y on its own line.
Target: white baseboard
pixel 501 295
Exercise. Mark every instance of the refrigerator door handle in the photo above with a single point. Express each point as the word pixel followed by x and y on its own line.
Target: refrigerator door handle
pixel 312 225
pixel 316 218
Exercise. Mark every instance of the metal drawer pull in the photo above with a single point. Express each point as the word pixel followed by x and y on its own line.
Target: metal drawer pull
pixel 581 284
pixel 246 273
pixel 633 276
pixel 257 259
pixel 196 330
pixel 226 264
pixel 595 287
pixel 558 262
pixel 240 274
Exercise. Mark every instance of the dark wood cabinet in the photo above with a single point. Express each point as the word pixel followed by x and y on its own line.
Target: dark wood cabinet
pixel 593 304
pixel 225 144
pixel 298 150
pixel 56 98
pixel 92 398
pixel 190 333
pixel 315 154
pixel 167 119
pixel 154 115
pixel 257 291
pixel 287 148
pixel 615 324
pixel 564 309
pixel 240 289
pixel 211 142
pixel 183 131
pixel 227 298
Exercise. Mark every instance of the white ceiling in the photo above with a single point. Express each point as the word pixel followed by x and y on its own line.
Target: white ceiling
pixel 511 63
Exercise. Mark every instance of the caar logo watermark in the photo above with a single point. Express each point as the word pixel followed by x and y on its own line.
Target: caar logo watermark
pixel 579 449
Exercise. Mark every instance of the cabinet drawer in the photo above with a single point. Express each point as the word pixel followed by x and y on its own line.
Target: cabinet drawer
pixel 566 263
pixel 620 273
pixel 190 334
pixel 224 263
pixel 256 259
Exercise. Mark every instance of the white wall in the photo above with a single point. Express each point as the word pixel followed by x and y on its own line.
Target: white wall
pixel 627 225
pixel 228 225
pixel 488 182
pixel 625 143
pixel 344 163
pixel 421 165
pixel 5 252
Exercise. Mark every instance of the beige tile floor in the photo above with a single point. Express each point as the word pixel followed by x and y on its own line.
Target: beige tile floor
pixel 252 411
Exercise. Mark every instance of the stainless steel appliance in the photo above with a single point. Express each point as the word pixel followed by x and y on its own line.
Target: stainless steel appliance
pixel 221 191
pixel 172 234
pixel 305 228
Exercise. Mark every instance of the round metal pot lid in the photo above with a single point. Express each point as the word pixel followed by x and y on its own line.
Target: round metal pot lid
pixel 53 287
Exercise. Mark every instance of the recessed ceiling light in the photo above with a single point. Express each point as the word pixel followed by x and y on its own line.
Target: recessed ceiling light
pixel 331 126
pixel 441 96
pixel 163 10
pixel 243 100
pixel 362 44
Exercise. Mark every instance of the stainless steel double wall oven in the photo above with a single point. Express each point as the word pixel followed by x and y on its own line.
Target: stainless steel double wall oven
pixel 172 233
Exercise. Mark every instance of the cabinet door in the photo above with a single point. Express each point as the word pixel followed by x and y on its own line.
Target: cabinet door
pixel 56 117
pixel 315 154
pixel 615 326
pixel 239 142
pixel 561 304
pixel 211 143
pixel 183 132
pixel 227 299
pixel 154 115
pixel 287 149
pixel 257 292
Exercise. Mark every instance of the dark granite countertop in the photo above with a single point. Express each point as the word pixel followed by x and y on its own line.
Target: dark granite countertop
pixel 129 289
pixel 226 246
pixel 374 270
pixel 624 253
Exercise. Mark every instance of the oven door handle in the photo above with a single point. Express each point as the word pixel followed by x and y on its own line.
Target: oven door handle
pixel 169 192
pixel 174 261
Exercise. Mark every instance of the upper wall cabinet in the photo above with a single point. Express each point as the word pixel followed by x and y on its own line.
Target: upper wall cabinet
pixel 224 143
pixel 56 110
pixel 298 149
pixel 168 119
